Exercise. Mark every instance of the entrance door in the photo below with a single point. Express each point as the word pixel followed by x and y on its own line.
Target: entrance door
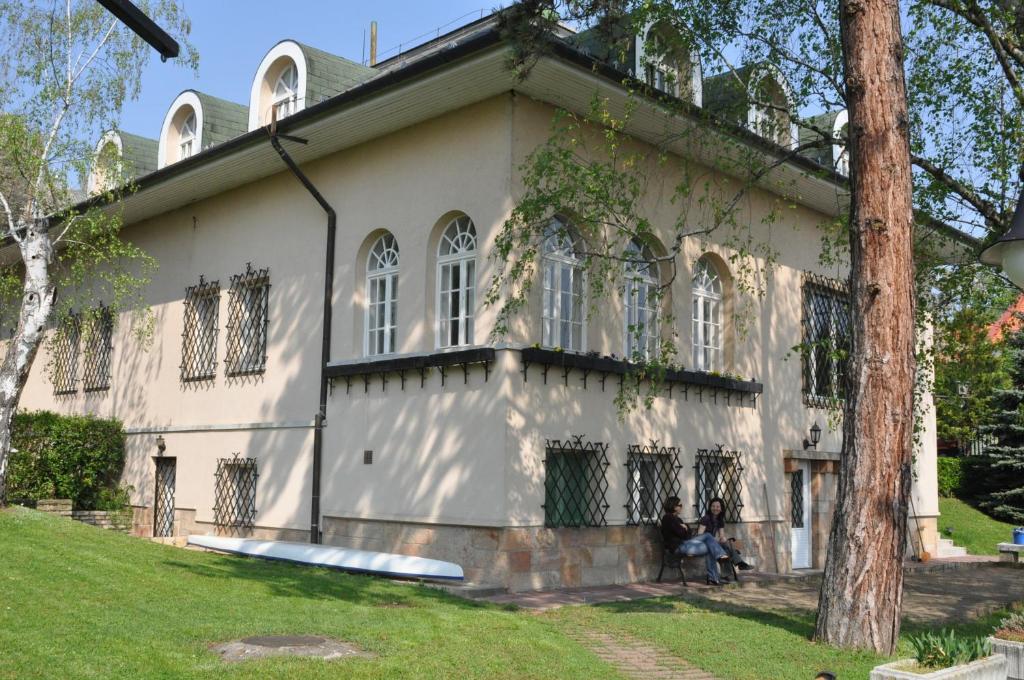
pixel 800 520
pixel 163 508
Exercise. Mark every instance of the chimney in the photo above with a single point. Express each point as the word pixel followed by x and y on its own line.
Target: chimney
pixel 373 43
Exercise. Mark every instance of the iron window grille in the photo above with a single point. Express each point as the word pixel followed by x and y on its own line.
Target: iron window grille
pixel 98 340
pixel 796 499
pixel 653 476
pixel 718 473
pixel 826 339
pixel 65 354
pixel 163 507
pixel 575 483
pixel 248 300
pixel 234 503
pixel 199 337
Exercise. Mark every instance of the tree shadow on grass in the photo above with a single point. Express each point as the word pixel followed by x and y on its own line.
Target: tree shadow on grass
pixel 795 620
pixel 283 579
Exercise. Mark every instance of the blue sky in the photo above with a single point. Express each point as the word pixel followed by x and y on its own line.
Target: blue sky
pixel 233 35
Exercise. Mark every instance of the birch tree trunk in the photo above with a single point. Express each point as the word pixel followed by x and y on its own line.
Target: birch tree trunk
pixel 36 304
pixel 862 588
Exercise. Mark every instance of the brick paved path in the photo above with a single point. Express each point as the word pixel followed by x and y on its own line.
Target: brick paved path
pixel 636 659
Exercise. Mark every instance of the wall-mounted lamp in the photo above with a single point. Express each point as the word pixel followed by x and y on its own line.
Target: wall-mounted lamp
pixel 161 445
pixel 812 443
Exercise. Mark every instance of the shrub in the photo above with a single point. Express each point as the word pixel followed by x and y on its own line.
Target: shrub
pixel 1011 628
pixel 76 457
pixel 950 471
pixel 945 649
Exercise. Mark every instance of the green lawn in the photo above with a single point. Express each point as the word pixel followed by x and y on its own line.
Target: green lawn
pixel 79 602
pixel 972 529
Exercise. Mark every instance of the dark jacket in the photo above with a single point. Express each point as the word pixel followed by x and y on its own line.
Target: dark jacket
pixel 673 531
pixel 713 523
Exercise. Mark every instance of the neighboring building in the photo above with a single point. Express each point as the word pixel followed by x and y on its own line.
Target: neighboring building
pixel 508 458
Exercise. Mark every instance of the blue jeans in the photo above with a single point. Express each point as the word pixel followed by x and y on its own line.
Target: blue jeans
pixel 704 544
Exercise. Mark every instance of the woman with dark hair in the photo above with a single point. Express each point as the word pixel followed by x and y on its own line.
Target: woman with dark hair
pixel 677 540
pixel 713 524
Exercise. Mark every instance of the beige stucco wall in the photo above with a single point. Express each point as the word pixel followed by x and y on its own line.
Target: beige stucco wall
pixel 462 453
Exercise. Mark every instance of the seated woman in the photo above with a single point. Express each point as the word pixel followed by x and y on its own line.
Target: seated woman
pixel 677 540
pixel 713 524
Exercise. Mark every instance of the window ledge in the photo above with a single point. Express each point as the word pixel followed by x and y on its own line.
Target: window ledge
pixel 396 364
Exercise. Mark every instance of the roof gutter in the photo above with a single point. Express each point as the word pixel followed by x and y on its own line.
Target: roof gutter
pixel 315 531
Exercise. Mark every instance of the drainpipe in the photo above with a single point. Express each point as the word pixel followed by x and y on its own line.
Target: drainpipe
pixel 325 348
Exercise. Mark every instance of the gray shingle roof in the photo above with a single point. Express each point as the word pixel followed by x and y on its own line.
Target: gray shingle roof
pixel 138 153
pixel 222 119
pixel 328 74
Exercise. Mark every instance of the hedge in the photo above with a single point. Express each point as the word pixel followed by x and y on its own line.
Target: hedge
pixel 950 472
pixel 76 457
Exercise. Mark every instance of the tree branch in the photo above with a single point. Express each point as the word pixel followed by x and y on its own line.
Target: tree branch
pixel 987 210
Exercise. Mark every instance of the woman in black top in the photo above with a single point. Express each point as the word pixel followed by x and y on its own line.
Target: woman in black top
pixel 677 539
pixel 713 523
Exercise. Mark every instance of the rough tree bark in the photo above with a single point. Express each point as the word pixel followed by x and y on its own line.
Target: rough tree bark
pixel 862 588
pixel 37 302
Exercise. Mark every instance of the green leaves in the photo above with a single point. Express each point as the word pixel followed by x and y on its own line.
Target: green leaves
pixel 945 649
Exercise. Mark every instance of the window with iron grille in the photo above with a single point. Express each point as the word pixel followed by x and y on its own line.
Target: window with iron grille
pixel 653 477
pixel 575 483
pixel 65 355
pixel 248 299
pixel 98 333
pixel 718 473
pixel 796 499
pixel 234 503
pixel 199 337
pixel 826 339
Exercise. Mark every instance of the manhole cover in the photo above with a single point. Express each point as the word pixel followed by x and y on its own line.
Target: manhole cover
pixel 277 641
pixel 259 646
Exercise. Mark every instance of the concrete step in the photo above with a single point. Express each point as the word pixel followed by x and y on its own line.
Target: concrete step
pixel 948 549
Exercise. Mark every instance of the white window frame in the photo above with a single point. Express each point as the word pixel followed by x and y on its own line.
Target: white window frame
pixel 457 249
pixel 640 287
pixel 285 95
pixel 706 300
pixel 382 267
pixel 560 259
pixel 187 137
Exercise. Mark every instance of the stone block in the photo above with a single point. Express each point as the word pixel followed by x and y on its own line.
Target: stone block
pixel 547 538
pixel 599 576
pixel 620 535
pixel 485 539
pixel 535 580
pixel 571 575
pixel 593 536
pixel 550 559
pixel 516 539
pixel 420 535
pixel 607 556
pixel 520 561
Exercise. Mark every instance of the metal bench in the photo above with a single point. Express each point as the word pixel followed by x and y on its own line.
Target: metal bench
pixel 674 561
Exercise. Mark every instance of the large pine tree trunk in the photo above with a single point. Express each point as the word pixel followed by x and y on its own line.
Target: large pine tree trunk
pixel 862 588
pixel 36 305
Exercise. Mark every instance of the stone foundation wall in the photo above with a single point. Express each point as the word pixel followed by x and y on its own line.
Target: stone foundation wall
pixel 532 558
pixel 185 523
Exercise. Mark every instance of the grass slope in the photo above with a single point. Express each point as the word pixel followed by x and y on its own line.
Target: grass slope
pixel 78 602
pixel 972 528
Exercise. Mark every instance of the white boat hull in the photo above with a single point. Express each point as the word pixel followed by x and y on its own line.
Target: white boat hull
pixel 348 559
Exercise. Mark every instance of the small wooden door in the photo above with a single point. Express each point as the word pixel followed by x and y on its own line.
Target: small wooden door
pixel 163 508
pixel 800 516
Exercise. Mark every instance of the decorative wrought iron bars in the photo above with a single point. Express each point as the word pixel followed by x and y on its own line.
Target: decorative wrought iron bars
pixel 653 476
pixel 796 499
pixel 98 332
pixel 64 364
pixel 826 339
pixel 719 473
pixel 248 300
pixel 199 337
pixel 575 483
pixel 163 508
pixel 234 501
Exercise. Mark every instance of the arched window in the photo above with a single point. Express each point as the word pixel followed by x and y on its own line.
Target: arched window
pixel 707 317
pixel 562 315
pixel 382 296
pixel 456 283
pixel 641 302
pixel 286 92
pixel 187 137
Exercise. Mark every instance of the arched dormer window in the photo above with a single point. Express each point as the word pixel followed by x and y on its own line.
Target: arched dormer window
pixel 771 101
pixel 707 317
pixel 187 137
pixel 666 65
pixel 286 92
pixel 640 292
pixel 107 163
pixel 562 312
pixel 456 283
pixel 382 297
pixel 279 88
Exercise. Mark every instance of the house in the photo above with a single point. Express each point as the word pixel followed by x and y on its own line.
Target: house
pixel 504 455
